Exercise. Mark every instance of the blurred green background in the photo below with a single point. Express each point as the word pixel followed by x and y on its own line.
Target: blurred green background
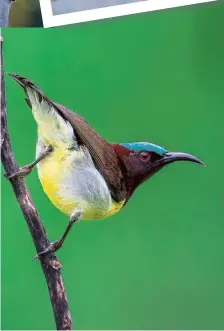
pixel 157 264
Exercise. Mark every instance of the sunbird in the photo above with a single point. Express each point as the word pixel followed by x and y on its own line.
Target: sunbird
pixel 84 176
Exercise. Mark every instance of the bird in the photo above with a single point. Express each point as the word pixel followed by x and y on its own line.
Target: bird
pixel 83 175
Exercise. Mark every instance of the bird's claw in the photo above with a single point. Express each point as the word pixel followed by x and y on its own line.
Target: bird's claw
pixel 53 247
pixel 22 172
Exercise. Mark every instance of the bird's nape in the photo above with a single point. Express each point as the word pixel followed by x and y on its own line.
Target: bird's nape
pixel 141 164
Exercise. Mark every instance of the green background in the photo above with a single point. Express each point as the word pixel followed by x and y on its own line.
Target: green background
pixel 157 264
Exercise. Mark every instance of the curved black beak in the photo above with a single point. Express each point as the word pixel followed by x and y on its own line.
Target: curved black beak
pixel 170 157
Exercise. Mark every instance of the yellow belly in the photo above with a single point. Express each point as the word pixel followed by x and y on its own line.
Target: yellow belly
pixel 49 171
pixel 92 213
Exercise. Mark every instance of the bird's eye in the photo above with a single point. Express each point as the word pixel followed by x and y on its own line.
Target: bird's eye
pixel 144 156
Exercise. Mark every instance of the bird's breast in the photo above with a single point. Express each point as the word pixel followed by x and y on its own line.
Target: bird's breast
pixel 50 175
pixel 71 182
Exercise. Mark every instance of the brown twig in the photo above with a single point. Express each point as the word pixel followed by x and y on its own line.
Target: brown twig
pixel 50 265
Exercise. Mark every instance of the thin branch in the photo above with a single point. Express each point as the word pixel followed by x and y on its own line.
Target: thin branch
pixel 50 265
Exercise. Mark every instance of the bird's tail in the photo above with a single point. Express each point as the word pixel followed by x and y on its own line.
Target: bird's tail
pixel 52 127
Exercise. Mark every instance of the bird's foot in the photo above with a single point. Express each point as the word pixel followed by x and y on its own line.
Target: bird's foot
pixel 22 172
pixel 26 170
pixel 53 247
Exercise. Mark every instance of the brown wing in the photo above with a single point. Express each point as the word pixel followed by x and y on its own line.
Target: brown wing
pixel 102 153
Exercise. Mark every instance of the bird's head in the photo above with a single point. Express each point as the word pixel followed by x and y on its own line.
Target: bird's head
pixel 141 160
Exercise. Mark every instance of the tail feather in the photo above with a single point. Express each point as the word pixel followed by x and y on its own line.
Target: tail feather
pixel 52 127
pixel 28 84
pixel 28 102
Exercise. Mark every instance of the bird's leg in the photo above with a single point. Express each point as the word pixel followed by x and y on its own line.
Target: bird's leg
pixel 24 171
pixel 55 245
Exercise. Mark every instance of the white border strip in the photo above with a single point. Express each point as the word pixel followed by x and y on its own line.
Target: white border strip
pixel 50 20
